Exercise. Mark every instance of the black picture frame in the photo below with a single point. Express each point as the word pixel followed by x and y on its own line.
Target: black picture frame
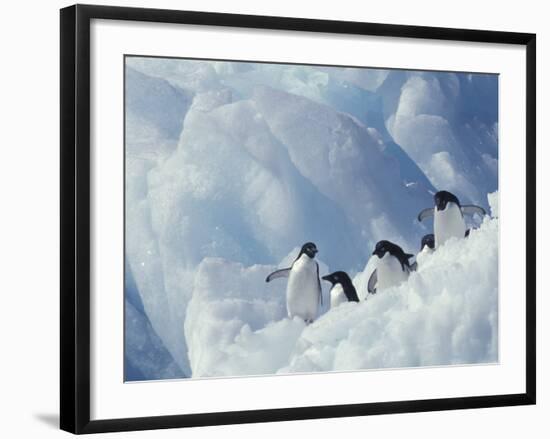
pixel 75 217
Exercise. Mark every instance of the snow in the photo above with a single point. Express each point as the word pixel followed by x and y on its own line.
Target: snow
pixel 231 167
pixel 236 323
pixel 445 313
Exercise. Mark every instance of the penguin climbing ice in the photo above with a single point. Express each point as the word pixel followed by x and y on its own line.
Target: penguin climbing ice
pixel 342 288
pixel 303 290
pixel 428 242
pixel 449 217
pixel 393 267
pixel 427 246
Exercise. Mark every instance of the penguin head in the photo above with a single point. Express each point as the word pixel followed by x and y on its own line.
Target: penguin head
pixel 338 277
pixel 310 249
pixel 442 198
pixel 383 247
pixel 428 240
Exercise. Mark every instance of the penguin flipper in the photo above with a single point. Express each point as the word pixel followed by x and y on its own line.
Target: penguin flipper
pixel 277 274
pixel 414 266
pixel 373 281
pixel 426 213
pixel 470 209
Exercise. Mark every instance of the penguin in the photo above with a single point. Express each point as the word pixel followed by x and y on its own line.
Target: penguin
pixel 303 290
pixel 342 288
pixel 427 246
pixel 448 216
pixel 393 267
pixel 428 242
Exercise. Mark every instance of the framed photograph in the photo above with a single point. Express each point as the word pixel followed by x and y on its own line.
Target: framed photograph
pixel 268 218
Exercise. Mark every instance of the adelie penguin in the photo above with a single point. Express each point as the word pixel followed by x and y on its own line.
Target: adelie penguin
pixel 303 290
pixel 427 243
pixel 393 267
pixel 342 288
pixel 448 216
pixel 427 246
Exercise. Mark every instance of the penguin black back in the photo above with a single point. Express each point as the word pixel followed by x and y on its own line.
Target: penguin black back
pixel 383 247
pixel 342 278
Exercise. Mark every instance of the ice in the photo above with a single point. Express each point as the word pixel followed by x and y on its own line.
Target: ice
pixel 230 167
pixel 155 110
pixel 233 191
pixel 145 356
pixel 232 319
pixel 446 117
pixel 446 313
pixel 340 157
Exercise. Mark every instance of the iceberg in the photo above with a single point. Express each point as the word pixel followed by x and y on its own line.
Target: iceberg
pixel 231 166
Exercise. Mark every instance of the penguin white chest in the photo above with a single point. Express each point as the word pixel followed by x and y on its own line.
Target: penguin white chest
pixel 302 292
pixel 448 223
pixel 390 272
pixel 337 296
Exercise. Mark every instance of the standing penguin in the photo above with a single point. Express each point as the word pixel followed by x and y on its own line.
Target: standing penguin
pixel 393 267
pixel 303 290
pixel 449 217
pixel 342 288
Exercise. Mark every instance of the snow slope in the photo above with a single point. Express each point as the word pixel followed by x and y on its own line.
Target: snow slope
pixel 446 313
pixel 238 163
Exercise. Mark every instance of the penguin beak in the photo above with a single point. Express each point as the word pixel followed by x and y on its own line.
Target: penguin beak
pixel 441 204
pixel 327 277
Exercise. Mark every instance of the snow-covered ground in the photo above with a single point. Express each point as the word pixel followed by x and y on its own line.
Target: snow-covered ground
pixel 446 313
pixel 231 166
